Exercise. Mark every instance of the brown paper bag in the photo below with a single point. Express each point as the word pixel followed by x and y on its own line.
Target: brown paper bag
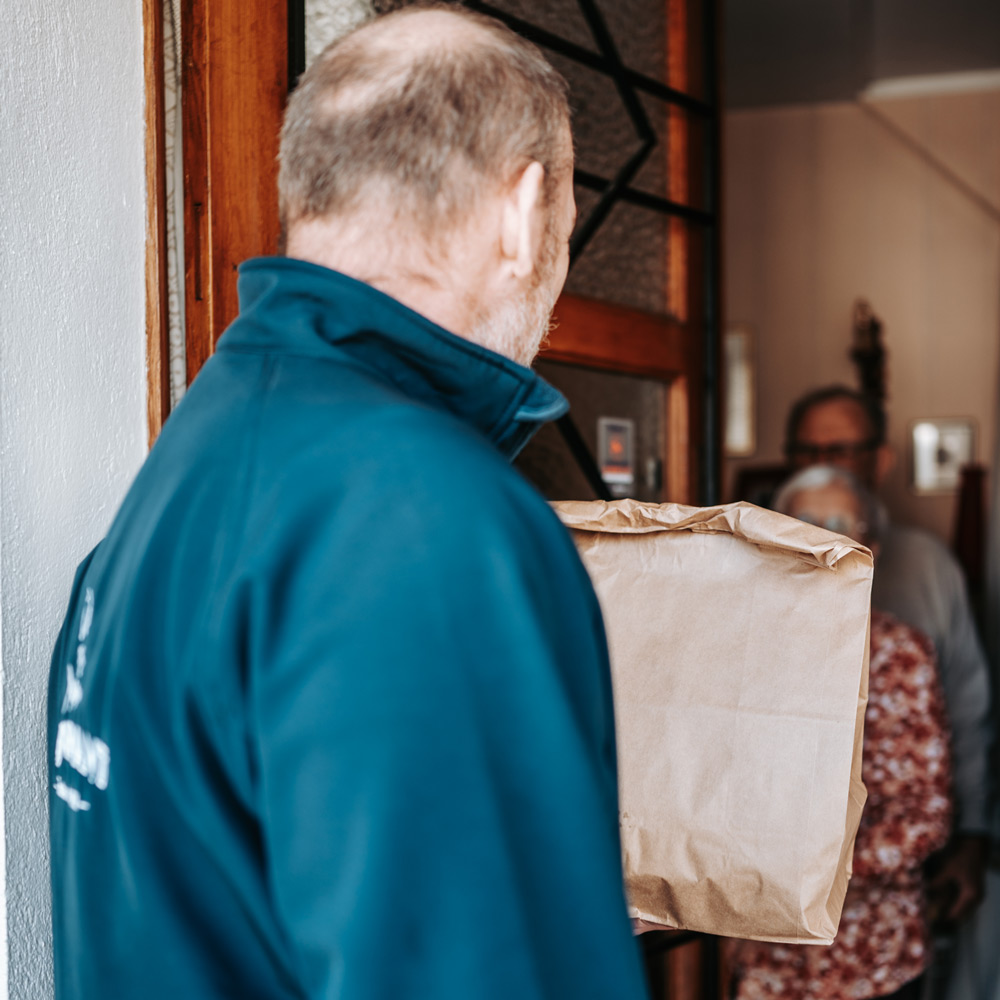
pixel 739 651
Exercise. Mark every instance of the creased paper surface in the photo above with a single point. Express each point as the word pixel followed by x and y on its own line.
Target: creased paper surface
pixel 739 651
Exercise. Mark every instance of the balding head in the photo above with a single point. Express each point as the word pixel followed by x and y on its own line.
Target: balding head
pixel 429 155
pixel 413 114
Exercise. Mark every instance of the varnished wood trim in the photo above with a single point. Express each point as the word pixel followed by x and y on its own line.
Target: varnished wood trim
pixel 616 338
pixel 619 339
pixel 684 972
pixel 157 325
pixel 678 160
pixel 676 461
pixel 195 138
pixel 234 86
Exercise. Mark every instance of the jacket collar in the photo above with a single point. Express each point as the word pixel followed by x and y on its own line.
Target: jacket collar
pixel 295 307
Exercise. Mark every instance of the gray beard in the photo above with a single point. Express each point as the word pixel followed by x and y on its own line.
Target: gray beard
pixel 517 328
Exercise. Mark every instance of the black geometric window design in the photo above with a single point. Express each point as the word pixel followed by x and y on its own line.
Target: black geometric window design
pixel 630 86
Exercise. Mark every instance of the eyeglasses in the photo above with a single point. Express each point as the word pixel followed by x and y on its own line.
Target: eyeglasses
pixel 820 454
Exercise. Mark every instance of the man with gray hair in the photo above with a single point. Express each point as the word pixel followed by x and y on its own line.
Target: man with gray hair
pixel 330 713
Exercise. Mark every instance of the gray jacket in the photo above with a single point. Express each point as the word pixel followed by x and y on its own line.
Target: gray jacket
pixel 918 580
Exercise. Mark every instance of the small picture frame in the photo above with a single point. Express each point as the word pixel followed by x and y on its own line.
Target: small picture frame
pixel 739 387
pixel 616 451
pixel 940 448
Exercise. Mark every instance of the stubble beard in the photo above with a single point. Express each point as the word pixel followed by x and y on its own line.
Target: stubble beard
pixel 518 326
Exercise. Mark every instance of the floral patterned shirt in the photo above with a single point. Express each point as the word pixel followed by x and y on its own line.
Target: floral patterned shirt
pixel 883 940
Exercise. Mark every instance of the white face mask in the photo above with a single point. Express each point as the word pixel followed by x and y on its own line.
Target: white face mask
pixel 842 524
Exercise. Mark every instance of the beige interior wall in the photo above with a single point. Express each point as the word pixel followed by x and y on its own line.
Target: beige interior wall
pixel 897 201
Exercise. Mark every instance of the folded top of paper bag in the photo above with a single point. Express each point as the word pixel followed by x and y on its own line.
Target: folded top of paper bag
pixel 753 524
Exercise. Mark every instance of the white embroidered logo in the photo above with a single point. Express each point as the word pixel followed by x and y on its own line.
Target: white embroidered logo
pixel 70 796
pixel 74 691
pixel 86 754
pixel 87 618
pixel 74 688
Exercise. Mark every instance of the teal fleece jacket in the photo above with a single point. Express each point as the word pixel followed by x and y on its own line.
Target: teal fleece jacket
pixel 330 713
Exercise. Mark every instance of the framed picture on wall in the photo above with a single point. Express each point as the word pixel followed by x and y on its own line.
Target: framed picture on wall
pixel 940 449
pixel 739 391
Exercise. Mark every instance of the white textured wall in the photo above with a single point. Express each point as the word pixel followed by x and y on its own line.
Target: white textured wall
pixel 900 204
pixel 72 383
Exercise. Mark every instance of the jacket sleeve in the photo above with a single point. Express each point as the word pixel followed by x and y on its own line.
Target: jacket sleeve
pixel 906 758
pixel 919 581
pixel 965 677
pixel 436 748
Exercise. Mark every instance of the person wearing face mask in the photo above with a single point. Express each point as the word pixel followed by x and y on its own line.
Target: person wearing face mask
pixel 920 582
pixel 883 944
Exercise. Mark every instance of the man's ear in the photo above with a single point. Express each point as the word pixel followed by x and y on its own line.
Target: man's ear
pixel 522 222
pixel 885 462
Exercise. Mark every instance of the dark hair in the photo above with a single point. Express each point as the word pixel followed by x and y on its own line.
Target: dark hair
pixel 870 407
pixel 429 122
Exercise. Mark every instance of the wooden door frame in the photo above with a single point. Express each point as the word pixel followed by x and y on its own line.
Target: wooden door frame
pixel 157 324
pixel 234 85
pixel 230 184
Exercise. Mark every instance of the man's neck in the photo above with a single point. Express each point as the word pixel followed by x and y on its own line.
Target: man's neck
pixel 441 293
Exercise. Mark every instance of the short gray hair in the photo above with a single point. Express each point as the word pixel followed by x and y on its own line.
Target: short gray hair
pixel 429 122
pixel 818 477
